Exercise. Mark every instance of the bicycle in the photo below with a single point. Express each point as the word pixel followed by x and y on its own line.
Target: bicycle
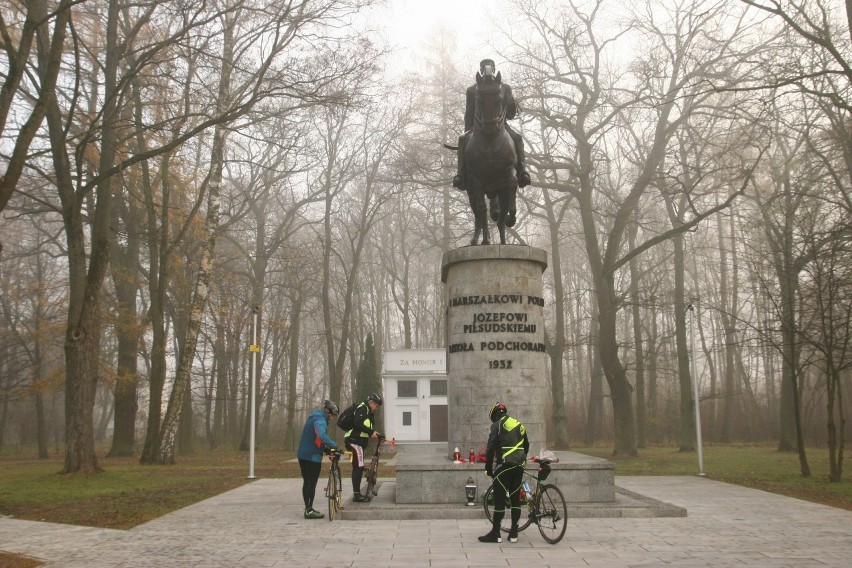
pixel 334 487
pixel 546 505
pixel 372 472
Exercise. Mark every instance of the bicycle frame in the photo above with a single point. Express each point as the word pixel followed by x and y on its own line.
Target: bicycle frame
pixel 545 506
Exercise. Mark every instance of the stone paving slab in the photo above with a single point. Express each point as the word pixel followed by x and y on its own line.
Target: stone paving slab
pixel 260 525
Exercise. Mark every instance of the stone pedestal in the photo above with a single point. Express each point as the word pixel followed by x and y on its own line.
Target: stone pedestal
pixel 424 478
pixel 495 337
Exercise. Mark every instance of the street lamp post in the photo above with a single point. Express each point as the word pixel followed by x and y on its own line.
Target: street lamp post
pixel 254 348
pixel 696 401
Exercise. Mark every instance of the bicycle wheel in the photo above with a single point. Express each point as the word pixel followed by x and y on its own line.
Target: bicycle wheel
pixel 552 514
pixel 372 474
pixel 332 492
pixel 339 491
pixel 506 523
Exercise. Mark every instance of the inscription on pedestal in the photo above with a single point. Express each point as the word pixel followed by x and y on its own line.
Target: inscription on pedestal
pixel 495 334
pixel 496 322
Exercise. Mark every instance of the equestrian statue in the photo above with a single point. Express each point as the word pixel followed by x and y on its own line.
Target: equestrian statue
pixel 490 154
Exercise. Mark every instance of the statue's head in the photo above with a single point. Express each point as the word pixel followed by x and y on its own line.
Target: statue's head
pixel 487 67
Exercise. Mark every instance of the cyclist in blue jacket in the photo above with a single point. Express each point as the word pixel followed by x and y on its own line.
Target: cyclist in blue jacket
pixel 314 440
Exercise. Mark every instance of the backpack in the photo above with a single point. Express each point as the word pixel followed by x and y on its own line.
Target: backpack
pixel 346 420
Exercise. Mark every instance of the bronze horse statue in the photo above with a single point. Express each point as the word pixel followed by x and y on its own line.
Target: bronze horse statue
pixel 490 160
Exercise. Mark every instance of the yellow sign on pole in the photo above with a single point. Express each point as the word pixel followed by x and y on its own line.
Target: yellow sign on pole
pixel 254 348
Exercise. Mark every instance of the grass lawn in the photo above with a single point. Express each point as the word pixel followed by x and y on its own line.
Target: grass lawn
pixel 755 466
pixel 127 494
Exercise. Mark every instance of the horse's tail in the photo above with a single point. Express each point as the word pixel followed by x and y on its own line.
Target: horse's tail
pixel 450 147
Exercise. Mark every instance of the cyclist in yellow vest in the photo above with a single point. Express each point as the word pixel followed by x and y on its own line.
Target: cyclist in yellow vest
pixel 507 448
pixel 357 438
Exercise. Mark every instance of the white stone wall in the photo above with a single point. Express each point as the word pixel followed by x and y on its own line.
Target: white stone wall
pixel 423 366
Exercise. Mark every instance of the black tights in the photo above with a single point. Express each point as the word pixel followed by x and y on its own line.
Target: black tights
pixel 357 468
pixel 310 476
pixel 507 478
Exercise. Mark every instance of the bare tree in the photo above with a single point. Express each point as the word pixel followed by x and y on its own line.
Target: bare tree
pixel 829 297
pixel 569 57
pixel 34 28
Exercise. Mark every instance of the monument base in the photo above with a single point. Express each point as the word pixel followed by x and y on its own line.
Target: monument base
pixel 430 478
pixel 428 486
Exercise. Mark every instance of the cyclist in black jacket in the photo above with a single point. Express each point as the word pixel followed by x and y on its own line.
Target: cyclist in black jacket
pixel 507 447
pixel 357 438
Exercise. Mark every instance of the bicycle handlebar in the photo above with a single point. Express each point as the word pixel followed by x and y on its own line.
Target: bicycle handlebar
pixel 333 453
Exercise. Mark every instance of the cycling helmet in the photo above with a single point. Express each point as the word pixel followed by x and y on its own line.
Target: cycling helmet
pixel 497 411
pixel 373 397
pixel 330 407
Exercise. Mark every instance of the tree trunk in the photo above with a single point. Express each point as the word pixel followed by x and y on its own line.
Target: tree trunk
pixel 619 387
pixel 185 430
pixel 221 389
pixel 38 363
pixel 556 347
pixel 107 406
pixel 235 347
pixel 708 359
pixel 271 390
pixel 594 415
pixel 183 373
pixel 41 431
pixel 653 409
pixel 290 434
pixel 83 332
pixel 209 397
pixel 4 415
pixel 638 344
pixel 687 403
pixel 128 330
pixel 729 400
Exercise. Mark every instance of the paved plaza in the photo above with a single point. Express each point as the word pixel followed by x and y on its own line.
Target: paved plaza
pixel 261 525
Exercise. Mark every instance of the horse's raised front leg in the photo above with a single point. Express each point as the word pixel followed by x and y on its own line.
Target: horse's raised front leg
pixel 494 206
pixel 506 217
pixel 483 221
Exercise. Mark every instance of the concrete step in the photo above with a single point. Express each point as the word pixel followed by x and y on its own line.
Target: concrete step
pixel 384 507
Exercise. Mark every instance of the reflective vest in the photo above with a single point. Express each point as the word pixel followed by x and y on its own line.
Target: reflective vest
pixel 368 423
pixel 510 436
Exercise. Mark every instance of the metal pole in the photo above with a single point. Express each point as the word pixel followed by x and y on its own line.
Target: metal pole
pixel 254 349
pixel 697 402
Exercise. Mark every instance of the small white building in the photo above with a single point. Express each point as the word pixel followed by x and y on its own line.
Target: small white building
pixel 414 384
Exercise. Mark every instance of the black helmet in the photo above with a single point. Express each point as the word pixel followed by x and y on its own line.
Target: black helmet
pixel 330 407
pixel 497 411
pixel 373 397
pixel 485 62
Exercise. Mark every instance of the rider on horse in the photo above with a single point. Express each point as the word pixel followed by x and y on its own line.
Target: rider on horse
pixel 486 67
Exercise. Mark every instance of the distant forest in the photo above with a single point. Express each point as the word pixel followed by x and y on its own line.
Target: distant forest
pixel 179 178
